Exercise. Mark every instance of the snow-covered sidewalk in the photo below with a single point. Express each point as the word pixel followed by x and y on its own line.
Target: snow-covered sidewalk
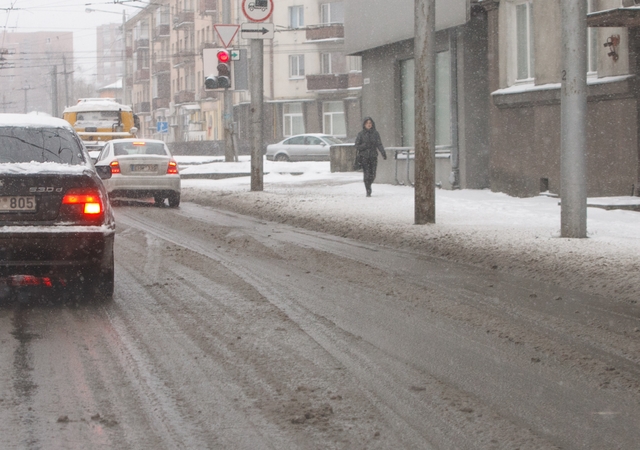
pixel 480 227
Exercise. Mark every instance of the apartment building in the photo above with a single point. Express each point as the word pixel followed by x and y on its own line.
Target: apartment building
pixel 310 84
pixel 110 47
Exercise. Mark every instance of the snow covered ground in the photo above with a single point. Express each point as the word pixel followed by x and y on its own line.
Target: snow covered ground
pixel 479 227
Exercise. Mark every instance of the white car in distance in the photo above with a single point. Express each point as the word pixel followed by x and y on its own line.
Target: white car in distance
pixel 141 168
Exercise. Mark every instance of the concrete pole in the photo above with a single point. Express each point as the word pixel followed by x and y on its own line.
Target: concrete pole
pixel 54 91
pixel 425 124
pixel 573 223
pixel 124 57
pixel 66 81
pixel 227 119
pixel 256 113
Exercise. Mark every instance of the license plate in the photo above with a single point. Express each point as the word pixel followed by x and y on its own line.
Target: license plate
pixel 144 167
pixel 17 203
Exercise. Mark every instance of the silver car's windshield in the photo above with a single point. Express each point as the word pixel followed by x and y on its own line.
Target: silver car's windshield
pixel 31 144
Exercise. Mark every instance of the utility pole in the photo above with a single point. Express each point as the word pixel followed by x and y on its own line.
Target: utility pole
pixel 227 123
pixel 54 91
pixel 124 57
pixel 573 215
pixel 5 103
pixel 256 113
pixel 425 84
pixel 26 104
pixel 66 80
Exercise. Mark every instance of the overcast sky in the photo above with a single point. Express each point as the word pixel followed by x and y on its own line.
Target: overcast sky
pixel 67 15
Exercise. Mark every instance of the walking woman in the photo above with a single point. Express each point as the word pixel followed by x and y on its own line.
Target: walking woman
pixel 368 144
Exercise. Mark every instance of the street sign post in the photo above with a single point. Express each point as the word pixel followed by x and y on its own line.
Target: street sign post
pixel 257 10
pixel 251 30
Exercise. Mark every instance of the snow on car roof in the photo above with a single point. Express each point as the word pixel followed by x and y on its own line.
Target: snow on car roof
pixel 33 120
pixel 46 167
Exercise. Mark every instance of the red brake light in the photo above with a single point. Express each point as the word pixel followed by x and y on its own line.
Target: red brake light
pixel 115 166
pixel 140 143
pixel 172 169
pixel 92 205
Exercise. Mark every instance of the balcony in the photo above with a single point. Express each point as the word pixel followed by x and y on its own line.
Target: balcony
pixel 209 7
pixel 326 32
pixel 141 75
pixel 141 44
pixel 160 103
pixel 161 31
pixel 143 108
pixel 208 95
pixel 161 67
pixel 184 97
pixel 208 45
pixel 334 81
pixel 184 57
pixel 183 19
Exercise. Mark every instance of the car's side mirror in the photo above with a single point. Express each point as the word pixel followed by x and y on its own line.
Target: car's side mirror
pixel 104 172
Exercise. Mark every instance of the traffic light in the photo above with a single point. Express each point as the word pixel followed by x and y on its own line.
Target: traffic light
pixel 221 78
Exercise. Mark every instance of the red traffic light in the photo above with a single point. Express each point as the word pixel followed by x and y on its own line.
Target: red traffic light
pixel 223 56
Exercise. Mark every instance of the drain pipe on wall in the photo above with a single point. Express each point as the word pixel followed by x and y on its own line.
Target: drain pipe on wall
pixel 454 177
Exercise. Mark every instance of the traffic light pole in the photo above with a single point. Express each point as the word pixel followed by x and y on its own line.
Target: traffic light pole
pixel 573 110
pixel 256 113
pixel 229 150
pixel 425 84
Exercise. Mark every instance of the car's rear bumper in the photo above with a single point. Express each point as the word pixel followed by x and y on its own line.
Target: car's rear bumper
pixel 55 252
pixel 142 185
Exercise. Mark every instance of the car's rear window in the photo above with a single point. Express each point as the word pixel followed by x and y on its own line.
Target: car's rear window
pixel 139 148
pixel 23 144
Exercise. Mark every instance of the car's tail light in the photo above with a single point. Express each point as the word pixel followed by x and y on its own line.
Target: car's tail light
pixel 88 202
pixel 172 169
pixel 115 166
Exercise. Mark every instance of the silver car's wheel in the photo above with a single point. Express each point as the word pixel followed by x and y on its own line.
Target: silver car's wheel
pixel 281 157
pixel 174 199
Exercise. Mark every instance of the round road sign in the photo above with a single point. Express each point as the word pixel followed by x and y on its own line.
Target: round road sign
pixel 257 10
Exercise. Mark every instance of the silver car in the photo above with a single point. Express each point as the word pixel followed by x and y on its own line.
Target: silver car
pixel 303 147
pixel 141 168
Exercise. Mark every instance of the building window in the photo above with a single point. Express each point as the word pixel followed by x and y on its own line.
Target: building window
pixel 293 119
pixel 443 101
pixel 296 66
pixel 296 16
pixel 325 63
pixel 333 120
pixel 354 63
pixel 524 56
pixel 331 13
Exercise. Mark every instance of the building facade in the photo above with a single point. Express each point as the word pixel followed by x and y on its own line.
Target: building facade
pixel 311 85
pixel 110 48
pixel 498 93
pixel 383 36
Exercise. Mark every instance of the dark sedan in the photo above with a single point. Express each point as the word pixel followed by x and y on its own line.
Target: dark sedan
pixel 56 225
